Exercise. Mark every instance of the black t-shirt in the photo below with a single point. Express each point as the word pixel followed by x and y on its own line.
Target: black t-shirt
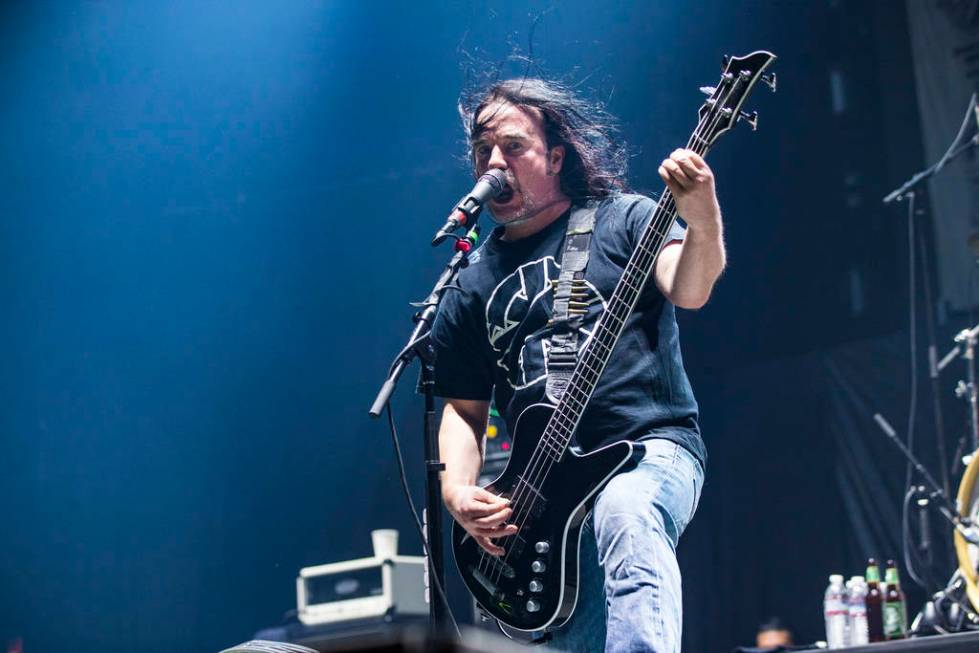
pixel 492 333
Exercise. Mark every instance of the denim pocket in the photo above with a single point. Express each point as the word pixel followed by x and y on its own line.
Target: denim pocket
pixel 660 451
pixel 697 479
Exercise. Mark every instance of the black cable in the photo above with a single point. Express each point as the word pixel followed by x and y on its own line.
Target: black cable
pixel 973 268
pixel 432 576
pixel 913 400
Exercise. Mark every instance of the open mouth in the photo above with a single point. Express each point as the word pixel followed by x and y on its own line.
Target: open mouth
pixel 505 196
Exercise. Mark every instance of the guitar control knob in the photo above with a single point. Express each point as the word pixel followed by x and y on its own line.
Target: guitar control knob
pixel 536 586
pixel 538 566
pixel 533 606
pixel 542 547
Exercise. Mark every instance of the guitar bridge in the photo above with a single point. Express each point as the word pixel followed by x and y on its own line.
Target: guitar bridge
pixel 488 585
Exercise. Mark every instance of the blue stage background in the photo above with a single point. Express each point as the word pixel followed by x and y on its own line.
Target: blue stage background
pixel 214 216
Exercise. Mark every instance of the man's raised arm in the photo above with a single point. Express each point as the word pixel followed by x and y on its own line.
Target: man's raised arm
pixel 686 272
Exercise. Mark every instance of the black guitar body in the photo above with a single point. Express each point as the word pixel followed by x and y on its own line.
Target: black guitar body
pixel 535 584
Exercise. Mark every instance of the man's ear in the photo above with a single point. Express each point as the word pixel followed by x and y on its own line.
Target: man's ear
pixel 555 159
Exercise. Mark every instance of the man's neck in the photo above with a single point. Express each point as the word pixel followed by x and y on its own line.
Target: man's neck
pixel 539 221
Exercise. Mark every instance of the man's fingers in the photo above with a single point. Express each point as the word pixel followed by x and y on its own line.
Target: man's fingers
pixel 692 165
pixel 482 504
pixel 490 498
pixel 671 183
pixel 475 509
pixel 683 170
pixel 681 154
pixel 495 519
pixel 503 530
pixel 691 170
pixel 696 159
pixel 488 545
pixel 677 173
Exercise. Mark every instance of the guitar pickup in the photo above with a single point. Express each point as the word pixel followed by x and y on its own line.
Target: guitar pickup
pixel 487 584
pixel 497 566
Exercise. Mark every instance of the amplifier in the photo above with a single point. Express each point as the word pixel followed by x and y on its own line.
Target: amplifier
pixel 360 589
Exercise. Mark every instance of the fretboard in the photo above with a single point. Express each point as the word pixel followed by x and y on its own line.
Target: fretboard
pixel 718 114
pixel 595 356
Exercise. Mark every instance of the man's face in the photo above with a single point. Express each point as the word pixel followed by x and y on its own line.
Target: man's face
pixel 513 141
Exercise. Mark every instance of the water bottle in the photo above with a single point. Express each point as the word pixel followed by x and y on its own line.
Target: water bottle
pixel 858 632
pixel 835 612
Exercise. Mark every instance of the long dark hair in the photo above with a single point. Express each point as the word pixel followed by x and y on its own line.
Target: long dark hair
pixel 595 160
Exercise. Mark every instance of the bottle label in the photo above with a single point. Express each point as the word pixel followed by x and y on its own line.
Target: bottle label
pixel 859 630
pixel 893 620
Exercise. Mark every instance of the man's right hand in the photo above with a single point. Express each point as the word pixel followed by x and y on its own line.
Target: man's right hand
pixel 481 513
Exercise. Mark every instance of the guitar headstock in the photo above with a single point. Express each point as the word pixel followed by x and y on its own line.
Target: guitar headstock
pixel 723 108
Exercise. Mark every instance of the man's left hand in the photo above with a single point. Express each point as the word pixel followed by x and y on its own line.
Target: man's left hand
pixel 691 181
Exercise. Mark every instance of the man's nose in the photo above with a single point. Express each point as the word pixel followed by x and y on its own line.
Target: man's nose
pixel 496 159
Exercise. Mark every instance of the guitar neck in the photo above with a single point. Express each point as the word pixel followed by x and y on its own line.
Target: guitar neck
pixel 719 113
pixel 595 356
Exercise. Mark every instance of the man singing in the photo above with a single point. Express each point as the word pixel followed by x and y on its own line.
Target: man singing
pixel 493 336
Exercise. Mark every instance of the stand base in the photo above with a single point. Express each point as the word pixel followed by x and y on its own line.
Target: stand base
pixel 948 611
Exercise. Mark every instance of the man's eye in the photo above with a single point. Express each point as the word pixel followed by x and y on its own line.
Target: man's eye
pixel 513 147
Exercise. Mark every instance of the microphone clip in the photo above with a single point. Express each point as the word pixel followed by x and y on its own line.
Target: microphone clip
pixel 462 216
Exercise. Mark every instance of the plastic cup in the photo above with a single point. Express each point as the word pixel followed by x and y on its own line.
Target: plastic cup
pixel 385 542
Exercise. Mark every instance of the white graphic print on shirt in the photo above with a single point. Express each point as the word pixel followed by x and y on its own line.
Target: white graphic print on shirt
pixel 517 315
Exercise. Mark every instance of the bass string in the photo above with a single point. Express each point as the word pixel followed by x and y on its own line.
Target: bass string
pixel 541 462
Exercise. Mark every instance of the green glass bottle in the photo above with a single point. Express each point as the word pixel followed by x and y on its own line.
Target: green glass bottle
pixel 895 606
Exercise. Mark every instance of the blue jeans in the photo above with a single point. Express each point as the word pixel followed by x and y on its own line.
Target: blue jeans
pixel 629 581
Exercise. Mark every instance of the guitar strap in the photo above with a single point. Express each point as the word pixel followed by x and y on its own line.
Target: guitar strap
pixel 570 302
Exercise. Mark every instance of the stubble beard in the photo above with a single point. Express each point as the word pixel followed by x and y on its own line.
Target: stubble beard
pixel 529 209
pixel 526 211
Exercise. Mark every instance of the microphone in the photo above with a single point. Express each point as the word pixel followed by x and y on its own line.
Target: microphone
pixel 924 524
pixel 488 186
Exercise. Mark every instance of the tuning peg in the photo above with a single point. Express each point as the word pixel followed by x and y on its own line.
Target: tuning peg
pixel 750 118
pixel 769 78
pixel 707 90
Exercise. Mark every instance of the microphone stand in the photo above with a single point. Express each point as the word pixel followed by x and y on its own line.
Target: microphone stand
pixel 953 152
pixel 899 193
pixel 964 525
pixel 906 192
pixel 966 348
pixel 419 346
